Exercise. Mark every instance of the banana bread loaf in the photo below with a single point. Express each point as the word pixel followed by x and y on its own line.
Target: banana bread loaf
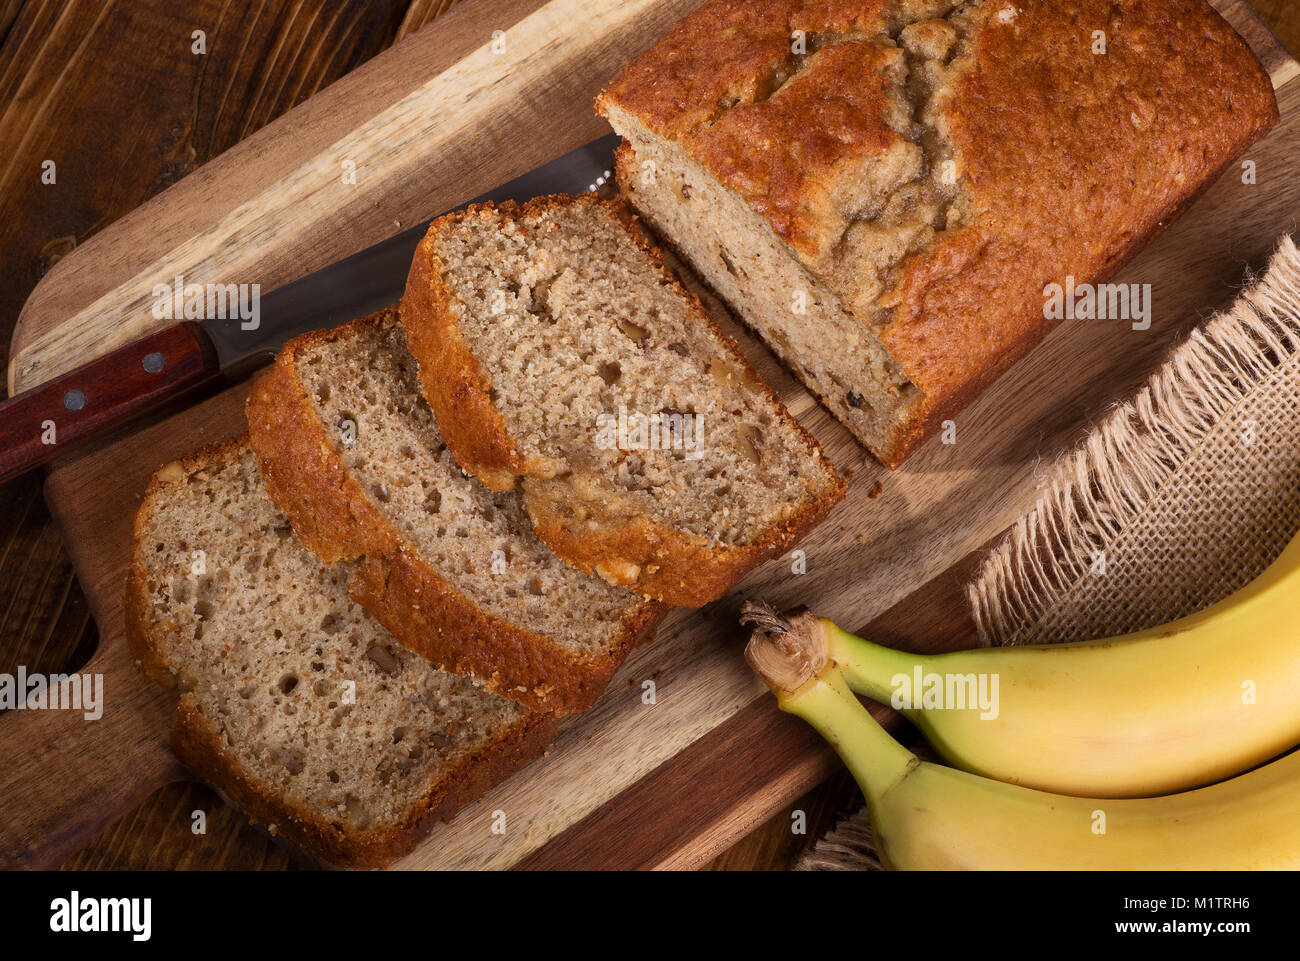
pixel 883 189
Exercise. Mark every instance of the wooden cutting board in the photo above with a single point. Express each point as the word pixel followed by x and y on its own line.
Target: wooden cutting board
pixel 441 117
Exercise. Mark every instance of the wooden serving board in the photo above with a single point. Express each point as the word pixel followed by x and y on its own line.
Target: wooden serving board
pixel 438 119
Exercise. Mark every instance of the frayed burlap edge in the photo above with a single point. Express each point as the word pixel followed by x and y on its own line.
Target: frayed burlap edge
pixel 1097 491
pixel 848 846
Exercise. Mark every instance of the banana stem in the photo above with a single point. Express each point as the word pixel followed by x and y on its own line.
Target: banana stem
pixel 876 761
pixel 789 654
pixel 796 646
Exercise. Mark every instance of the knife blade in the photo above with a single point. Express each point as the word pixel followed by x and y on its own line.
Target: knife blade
pixel 106 394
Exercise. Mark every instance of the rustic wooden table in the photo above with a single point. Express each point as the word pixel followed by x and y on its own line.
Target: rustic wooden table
pixel 96 86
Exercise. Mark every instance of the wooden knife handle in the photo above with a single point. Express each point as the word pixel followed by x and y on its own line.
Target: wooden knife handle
pixel 55 417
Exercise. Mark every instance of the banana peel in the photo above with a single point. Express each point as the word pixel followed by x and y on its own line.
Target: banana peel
pixel 929 816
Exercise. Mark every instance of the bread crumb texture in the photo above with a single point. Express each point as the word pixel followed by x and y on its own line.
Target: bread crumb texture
pixel 310 696
pixel 577 323
pixel 477 540
pixel 646 447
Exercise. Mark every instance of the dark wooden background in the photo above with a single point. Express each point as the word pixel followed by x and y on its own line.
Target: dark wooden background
pixel 110 91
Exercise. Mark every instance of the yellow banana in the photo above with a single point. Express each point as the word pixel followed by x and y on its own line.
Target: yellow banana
pixel 1161 710
pixel 927 816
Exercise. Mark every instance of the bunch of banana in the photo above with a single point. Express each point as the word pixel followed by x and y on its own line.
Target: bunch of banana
pixel 1185 704
pixel 927 816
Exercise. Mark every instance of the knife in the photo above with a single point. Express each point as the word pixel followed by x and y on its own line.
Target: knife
pixel 102 396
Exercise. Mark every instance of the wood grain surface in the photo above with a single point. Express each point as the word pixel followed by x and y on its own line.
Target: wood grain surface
pixel 399 139
pixel 46 612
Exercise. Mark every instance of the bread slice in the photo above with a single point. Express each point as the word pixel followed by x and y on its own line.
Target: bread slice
pixel 351 453
pixel 883 190
pixel 561 356
pixel 294 702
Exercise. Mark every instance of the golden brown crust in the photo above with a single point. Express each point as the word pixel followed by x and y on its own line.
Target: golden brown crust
pixel 1070 159
pixel 794 133
pixel 199 747
pixel 328 510
pixel 802 179
pixel 1070 200
pixel 476 434
pixel 428 617
pixel 937 408
pixel 337 519
pixel 657 561
pixel 668 563
pixel 727 53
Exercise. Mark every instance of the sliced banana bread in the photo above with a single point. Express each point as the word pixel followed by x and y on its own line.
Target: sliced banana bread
pixel 352 454
pixel 294 702
pixel 560 356
pixel 882 189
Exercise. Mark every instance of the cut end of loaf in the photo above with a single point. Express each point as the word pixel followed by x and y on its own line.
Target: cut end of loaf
pixel 805 324
pixel 803 228
pixel 639 435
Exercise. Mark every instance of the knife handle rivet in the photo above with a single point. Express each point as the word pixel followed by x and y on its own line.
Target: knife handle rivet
pixel 153 362
pixel 74 400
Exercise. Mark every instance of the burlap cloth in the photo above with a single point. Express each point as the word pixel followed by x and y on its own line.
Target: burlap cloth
pixel 1178 498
